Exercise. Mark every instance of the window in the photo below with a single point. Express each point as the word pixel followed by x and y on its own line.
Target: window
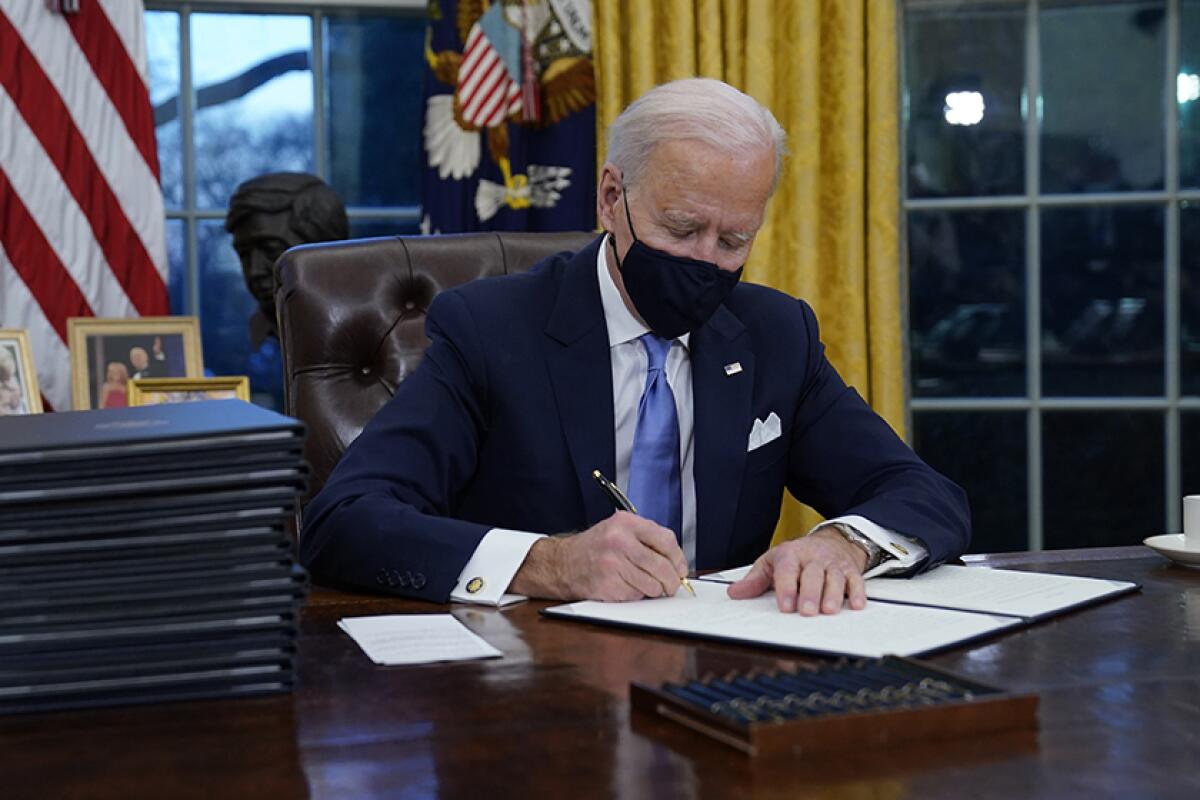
pixel 237 91
pixel 1052 202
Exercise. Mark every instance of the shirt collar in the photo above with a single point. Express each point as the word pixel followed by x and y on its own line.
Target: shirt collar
pixel 622 325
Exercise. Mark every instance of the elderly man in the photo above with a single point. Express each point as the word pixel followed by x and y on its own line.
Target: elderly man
pixel 643 357
pixel 143 366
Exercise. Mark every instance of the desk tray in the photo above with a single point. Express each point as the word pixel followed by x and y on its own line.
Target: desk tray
pixel 847 706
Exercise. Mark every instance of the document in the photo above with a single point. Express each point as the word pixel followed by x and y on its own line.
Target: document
pixel 1014 593
pixel 904 616
pixel 879 629
pixel 393 639
pixel 1029 595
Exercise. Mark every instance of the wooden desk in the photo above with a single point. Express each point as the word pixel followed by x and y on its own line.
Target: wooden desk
pixel 1120 716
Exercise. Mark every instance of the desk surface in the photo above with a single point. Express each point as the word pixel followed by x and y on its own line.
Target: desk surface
pixel 1120 715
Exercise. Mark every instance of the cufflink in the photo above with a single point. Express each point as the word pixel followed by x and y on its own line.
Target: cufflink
pixel 475 586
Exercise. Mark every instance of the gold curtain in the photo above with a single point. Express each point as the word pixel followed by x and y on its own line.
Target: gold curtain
pixel 827 70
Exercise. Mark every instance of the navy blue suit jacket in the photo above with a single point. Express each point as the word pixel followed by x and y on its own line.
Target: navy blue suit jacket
pixel 511 409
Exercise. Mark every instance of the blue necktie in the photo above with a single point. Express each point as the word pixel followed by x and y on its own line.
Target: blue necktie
pixel 654 462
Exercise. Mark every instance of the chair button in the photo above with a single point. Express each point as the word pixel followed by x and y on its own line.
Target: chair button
pixel 381 577
pixel 418 581
pixel 365 370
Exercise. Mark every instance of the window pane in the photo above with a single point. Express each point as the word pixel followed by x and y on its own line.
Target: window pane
pixel 254 99
pixel 1102 301
pixel 1189 298
pixel 162 51
pixel 177 277
pixel 967 310
pixel 1103 67
pixel 1190 439
pixel 1103 479
pixel 1188 94
pixel 992 470
pixel 226 306
pixel 366 228
pixel 375 69
pixel 965 73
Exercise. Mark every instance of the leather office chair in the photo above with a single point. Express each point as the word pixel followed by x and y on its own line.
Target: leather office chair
pixel 352 320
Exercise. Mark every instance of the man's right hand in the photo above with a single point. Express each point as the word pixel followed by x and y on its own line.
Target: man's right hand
pixel 625 557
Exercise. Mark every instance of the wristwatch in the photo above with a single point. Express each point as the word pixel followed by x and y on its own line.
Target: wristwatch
pixel 875 554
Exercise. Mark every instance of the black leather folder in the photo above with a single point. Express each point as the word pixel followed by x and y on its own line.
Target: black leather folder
pixel 51 440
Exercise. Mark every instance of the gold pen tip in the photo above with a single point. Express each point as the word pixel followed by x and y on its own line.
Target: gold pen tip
pixel 688 585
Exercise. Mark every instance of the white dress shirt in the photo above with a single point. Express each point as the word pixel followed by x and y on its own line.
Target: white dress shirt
pixel 501 552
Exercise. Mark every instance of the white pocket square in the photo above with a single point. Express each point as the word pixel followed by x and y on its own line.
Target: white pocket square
pixel 764 431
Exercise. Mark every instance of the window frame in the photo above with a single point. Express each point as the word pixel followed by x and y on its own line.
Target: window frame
pixel 188 213
pixel 1170 198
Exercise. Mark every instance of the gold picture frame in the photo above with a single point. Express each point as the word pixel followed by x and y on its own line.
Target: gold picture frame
pixel 156 391
pixel 19 393
pixel 104 355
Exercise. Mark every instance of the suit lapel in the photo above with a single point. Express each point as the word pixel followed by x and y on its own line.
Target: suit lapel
pixel 577 356
pixel 721 408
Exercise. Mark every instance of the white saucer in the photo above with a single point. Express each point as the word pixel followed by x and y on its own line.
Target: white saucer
pixel 1171 545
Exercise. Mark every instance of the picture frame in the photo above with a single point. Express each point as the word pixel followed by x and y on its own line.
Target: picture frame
pixel 157 391
pixel 19 393
pixel 106 354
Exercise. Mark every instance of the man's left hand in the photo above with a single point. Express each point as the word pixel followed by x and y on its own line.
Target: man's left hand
pixel 813 574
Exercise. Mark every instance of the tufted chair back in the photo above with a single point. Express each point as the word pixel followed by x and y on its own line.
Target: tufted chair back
pixel 352 320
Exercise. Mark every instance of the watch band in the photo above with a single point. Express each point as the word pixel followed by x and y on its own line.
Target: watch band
pixel 875 553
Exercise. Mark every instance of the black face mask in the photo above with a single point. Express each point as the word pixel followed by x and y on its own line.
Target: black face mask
pixel 672 294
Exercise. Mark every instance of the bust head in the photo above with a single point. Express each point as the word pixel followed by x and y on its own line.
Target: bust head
pixel 273 212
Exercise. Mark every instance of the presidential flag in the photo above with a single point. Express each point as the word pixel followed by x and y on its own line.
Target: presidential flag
pixel 509 129
pixel 81 213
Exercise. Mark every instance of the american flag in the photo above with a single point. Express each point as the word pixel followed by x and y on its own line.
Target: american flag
pixel 81 212
pixel 489 88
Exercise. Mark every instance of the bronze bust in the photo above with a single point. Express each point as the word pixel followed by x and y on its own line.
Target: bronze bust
pixel 267 215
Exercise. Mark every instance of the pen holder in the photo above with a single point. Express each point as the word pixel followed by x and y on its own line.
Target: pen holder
pixel 844 706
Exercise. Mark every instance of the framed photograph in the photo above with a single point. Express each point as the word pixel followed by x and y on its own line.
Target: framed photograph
pixel 155 391
pixel 18 379
pixel 106 354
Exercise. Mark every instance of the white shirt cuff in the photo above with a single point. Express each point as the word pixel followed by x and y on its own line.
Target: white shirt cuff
pixel 905 552
pixel 492 566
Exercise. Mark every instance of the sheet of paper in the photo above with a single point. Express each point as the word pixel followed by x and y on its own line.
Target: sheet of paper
pixel 504 601
pixel 995 591
pixel 393 639
pixel 727 575
pixel 879 629
pixel 1028 595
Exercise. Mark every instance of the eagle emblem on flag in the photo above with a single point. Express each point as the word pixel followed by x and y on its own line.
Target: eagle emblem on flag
pixel 524 64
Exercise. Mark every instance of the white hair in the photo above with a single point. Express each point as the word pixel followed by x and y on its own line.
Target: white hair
pixel 701 109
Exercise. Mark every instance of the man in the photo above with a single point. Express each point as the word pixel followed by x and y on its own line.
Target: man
pixel 143 366
pixel 640 356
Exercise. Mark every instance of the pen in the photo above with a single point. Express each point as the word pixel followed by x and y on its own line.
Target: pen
pixel 622 503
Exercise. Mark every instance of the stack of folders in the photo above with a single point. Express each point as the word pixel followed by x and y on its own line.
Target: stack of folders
pixel 144 555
